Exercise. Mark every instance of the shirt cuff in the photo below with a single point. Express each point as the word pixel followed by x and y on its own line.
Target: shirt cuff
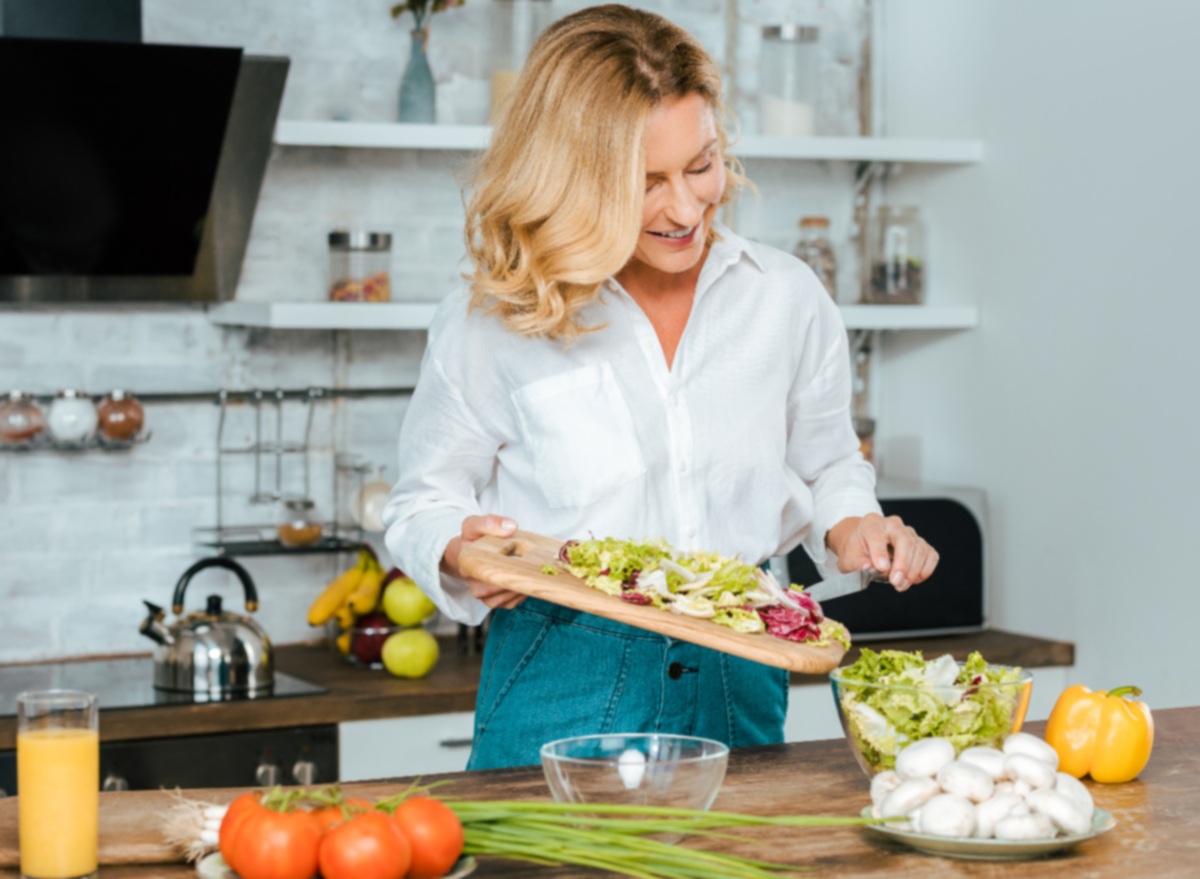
pixel 420 551
pixel 843 505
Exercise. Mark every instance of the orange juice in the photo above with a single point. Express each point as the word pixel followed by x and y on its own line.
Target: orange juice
pixel 58 782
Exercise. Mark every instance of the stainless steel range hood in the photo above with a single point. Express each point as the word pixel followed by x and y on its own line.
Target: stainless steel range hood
pixel 243 156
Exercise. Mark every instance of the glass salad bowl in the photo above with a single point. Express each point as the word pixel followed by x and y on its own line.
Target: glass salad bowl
pixel 879 719
pixel 642 769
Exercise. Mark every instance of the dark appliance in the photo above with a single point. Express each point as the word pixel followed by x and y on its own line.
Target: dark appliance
pixel 119 20
pixel 953 600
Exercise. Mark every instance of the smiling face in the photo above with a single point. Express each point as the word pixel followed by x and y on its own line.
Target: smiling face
pixel 685 179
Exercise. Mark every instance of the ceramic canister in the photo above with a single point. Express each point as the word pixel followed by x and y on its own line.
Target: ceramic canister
pixel 72 417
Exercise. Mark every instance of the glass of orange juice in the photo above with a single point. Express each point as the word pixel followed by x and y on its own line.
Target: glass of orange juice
pixel 58 779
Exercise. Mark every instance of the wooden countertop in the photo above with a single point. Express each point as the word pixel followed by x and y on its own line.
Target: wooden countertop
pixel 359 694
pixel 1158 816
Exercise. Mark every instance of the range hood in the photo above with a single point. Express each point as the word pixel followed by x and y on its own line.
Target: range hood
pixel 130 172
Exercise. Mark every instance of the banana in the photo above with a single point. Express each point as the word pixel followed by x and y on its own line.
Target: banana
pixel 345 616
pixel 366 596
pixel 338 591
pixel 343 643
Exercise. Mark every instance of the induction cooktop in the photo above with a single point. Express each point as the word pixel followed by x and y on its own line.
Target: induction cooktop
pixel 119 683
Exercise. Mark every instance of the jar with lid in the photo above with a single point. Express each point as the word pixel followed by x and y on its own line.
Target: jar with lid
pixel 21 418
pixel 816 250
pixel 120 417
pixel 515 26
pixel 896 253
pixel 788 77
pixel 72 418
pixel 359 266
pixel 299 525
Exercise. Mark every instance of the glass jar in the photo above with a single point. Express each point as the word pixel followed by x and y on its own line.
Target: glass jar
pixel 816 250
pixel 896 253
pixel 515 25
pixel 788 80
pixel 864 429
pixel 72 418
pixel 120 417
pixel 359 266
pixel 21 419
pixel 299 525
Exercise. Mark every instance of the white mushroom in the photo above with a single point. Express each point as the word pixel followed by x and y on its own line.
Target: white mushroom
pixel 1020 810
pixel 1074 790
pixel 1035 797
pixel 948 815
pixel 1063 812
pixel 1021 788
pixel 966 780
pixel 989 760
pixel 1004 787
pixel 876 811
pixel 908 796
pixel 914 821
pixel 923 759
pixel 1024 827
pixel 1021 767
pixel 883 784
pixel 1031 746
pixel 988 813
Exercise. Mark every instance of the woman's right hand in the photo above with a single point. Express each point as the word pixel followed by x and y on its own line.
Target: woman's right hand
pixel 473 528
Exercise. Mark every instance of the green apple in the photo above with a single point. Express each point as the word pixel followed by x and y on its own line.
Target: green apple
pixel 405 604
pixel 410 654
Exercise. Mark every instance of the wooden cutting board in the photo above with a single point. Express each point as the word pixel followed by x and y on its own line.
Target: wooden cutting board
pixel 131 821
pixel 516 562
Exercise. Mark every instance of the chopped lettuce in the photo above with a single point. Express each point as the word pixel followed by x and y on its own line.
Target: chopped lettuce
pixel 915 699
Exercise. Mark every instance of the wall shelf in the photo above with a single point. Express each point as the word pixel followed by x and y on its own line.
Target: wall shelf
pixel 417 316
pixel 394 135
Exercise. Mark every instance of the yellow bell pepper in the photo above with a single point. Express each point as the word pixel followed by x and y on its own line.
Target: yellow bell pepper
pixel 1101 734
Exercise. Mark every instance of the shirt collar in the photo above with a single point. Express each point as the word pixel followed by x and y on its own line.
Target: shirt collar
pixel 730 247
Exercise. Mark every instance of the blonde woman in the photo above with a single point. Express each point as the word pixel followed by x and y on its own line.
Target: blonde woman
pixel 622 364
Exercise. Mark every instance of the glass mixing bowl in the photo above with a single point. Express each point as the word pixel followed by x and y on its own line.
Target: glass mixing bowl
pixel 993 711
pixel 642 769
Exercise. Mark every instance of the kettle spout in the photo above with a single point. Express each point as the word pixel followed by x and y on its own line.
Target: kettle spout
pixel 153 628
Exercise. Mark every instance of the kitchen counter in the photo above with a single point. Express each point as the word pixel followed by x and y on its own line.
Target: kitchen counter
pixel 357 694
pixel 1158 816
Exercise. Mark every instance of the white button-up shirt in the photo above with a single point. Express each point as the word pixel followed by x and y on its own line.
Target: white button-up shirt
pixel 744 445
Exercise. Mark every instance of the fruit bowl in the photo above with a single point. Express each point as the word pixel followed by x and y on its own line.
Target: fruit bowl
pixel 643 769
pixel 362 643
pixel 880 719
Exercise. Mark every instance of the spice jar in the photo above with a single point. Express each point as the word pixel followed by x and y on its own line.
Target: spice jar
pixel 359 263
pixel 816 250
pixel 299 526
pixel 21 419
pixel 120 417
pixel 515 25
pixel 787 102
pixel 896 252
pixel 72 417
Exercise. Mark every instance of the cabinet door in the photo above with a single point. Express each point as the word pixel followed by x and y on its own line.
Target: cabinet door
pixel 398 746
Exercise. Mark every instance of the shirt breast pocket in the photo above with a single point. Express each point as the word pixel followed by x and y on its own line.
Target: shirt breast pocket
pixel 581 435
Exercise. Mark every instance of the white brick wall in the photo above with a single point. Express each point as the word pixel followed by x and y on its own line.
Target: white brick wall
pixel 84 538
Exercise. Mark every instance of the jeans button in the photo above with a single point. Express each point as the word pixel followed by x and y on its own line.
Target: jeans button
pixel 674 671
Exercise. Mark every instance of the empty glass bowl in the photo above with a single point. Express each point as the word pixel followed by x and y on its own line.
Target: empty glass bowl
pixel 880 719
pixel 639 769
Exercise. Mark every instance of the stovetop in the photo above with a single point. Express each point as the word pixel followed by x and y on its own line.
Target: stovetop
pixel 118 683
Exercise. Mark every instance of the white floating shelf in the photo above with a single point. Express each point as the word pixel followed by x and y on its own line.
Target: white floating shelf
pixel 392 135
pixel 325 315
pixel 417 316
pixel 910 317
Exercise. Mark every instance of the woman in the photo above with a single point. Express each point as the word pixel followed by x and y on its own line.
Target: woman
pixel 622 364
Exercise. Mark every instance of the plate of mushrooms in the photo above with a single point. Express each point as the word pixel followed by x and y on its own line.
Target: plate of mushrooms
pixel 984 803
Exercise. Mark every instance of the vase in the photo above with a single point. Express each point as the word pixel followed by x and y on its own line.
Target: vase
pixel 416 88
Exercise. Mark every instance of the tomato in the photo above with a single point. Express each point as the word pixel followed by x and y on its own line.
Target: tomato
pixel 234 816
pixel 266 844
pixel 435 833
pixel 333 815
pixel 368 846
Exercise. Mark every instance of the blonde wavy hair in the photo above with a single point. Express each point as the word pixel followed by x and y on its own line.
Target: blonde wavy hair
pixel 556 200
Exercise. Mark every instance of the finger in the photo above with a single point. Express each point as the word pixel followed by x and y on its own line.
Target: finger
pixel 874 532
pixel 516 599
pixel 931 562
pixel 916 571
pixel 475 527
pixel 903 540
pixel 483 591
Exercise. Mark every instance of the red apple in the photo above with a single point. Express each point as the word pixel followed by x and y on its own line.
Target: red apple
pixel 369 634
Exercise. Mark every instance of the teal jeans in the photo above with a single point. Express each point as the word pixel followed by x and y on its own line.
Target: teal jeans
pixel 551 673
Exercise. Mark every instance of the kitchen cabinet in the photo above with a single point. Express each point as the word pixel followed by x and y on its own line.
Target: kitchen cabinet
pixel 384 748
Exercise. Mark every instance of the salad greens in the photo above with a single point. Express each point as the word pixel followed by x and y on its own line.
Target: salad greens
pixel 705 585
pixel 892 698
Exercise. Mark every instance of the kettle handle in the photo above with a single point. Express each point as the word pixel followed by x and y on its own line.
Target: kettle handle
pixel 216 562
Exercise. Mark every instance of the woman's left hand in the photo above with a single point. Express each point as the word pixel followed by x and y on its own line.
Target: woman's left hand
pixel 887 545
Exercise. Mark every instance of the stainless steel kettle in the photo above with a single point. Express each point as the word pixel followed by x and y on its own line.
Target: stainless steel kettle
pixel 212 654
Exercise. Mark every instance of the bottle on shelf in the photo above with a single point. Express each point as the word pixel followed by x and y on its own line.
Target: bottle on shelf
pixel 896 254
pixel 21 418
pixel 816 249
